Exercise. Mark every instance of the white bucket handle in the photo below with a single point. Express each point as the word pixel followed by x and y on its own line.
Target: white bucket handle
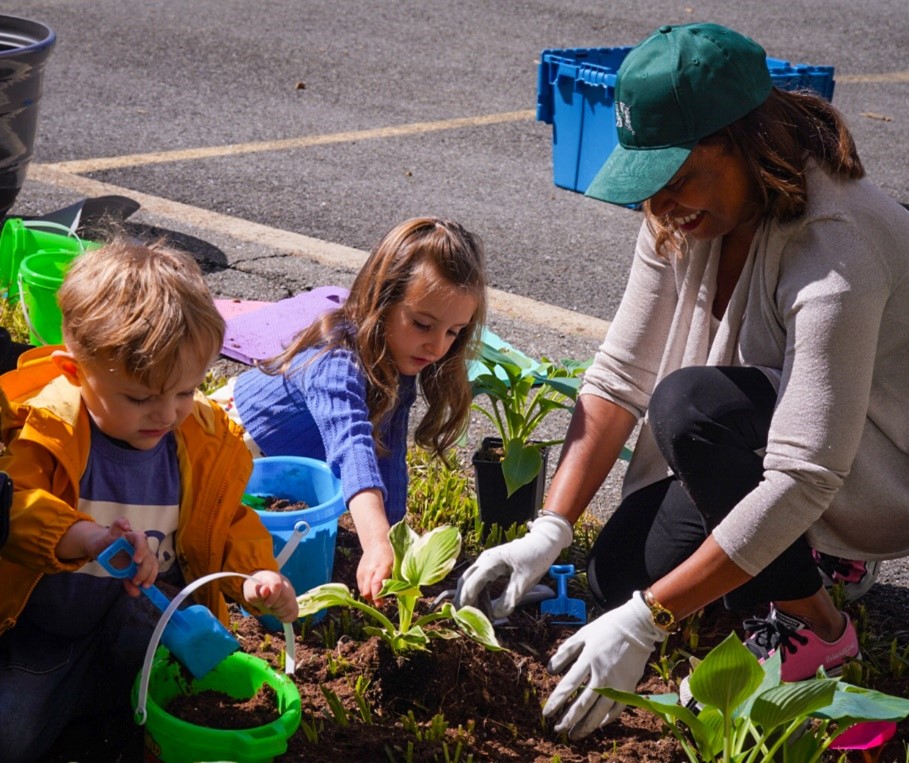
pixel 28 321
pixel 289 639
pixel 70 232
pixel 292 542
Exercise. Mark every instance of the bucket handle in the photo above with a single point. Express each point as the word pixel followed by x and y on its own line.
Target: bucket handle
pixel 141 713
pixel 70 232
pixel 28 321
pixel 301 530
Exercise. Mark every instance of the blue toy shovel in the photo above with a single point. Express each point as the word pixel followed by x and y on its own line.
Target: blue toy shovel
pixel 572 611
pixel 193 635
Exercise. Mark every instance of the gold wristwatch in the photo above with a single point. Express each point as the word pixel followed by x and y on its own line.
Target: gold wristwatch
pixel 662 617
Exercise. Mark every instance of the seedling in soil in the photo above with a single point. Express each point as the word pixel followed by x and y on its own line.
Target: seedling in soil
pixel 749 715
pixel 419 561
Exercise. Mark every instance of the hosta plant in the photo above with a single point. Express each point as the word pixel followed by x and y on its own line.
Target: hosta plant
pixel 749 716
pixel 522 393
pixel 420 561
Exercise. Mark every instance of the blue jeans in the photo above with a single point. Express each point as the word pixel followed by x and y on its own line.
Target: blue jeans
pixel 710 424
pixel 48 680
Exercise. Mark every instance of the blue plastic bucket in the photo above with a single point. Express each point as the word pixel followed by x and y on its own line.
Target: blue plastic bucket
pixel 295 479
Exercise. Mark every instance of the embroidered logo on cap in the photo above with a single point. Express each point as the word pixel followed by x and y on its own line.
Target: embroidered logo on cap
pixel 623 117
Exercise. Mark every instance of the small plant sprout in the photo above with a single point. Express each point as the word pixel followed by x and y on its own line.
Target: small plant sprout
pixel 749 716
pixel 419 561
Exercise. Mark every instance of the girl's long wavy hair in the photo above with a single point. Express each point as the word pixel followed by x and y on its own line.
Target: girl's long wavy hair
pixel 777 139
pixel 446 254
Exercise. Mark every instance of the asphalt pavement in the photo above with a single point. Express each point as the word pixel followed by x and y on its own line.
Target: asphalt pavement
pixel 281 139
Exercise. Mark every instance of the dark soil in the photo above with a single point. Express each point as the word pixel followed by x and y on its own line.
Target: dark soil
pixel 278 505
pixel 456 700
pixel 218 710
pixel 274 504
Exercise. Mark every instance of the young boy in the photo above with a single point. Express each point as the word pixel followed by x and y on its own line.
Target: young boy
pixel 106 437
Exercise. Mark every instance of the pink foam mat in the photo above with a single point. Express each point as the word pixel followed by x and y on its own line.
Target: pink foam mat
pixel 260 330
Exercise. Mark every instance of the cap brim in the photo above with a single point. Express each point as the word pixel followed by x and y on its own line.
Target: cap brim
pixel 630 176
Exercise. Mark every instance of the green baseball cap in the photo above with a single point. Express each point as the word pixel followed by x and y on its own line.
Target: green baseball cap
pixel 678 86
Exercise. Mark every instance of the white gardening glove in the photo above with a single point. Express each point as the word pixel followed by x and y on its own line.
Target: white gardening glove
pixel 525 560
pixel 611 651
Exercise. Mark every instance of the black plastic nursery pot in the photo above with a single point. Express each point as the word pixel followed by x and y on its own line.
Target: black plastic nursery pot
pixel 24 48
pixel 495 505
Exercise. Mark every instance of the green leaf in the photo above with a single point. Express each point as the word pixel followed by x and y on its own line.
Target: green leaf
pixel 782 704
pixel 432 556
pixel 401 538
pixel 521 464
pixel 445 634
pixel 415 638
pixel 476 625
pixel 490 384
pixel 323 597
pixel 509 360
pixel 854 703
pixel 392 587
pixel 566 386
pixel 667 707
pixel 726 677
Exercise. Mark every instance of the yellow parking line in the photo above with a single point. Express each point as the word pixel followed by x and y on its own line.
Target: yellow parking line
pixel 860 78
pixel 81 166
pixel 167 212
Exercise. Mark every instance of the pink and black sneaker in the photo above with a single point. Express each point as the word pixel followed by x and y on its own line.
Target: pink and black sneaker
pixel 857 576
pixel 802 651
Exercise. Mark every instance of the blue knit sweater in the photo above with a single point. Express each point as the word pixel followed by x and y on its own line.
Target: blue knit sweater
pixel 319 410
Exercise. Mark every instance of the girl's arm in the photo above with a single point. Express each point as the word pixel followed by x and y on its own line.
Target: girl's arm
pixel 367 510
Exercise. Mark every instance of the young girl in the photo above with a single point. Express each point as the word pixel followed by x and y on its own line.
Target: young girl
pixel 342 391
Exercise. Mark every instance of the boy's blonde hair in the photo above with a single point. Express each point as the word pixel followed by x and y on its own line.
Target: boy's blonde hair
pixel 140 306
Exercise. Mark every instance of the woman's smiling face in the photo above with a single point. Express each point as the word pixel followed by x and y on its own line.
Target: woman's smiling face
pixel 711 195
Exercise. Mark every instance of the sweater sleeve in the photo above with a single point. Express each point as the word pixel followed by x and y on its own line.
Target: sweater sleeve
pixel 830 296
pixel 335 391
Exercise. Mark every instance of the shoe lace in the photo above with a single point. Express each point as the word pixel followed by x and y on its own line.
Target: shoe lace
pixel 767 634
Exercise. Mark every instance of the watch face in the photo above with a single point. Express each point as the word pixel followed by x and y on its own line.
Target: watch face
pixel 663 618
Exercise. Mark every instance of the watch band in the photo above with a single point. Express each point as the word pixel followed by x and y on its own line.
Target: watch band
pixel 662 617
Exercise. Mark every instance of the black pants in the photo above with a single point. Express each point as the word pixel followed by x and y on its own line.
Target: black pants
pixel 708 422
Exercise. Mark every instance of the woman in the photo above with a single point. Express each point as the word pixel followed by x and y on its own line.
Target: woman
pixel 764 337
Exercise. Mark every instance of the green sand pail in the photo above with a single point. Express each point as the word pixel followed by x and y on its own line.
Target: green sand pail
pixel 239 675
pixel 40 276
pixel 21 238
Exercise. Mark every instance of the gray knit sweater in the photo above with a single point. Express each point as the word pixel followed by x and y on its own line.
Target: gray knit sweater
pixel 822 306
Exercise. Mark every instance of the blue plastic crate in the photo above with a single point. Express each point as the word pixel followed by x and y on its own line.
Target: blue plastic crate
pixel 575 94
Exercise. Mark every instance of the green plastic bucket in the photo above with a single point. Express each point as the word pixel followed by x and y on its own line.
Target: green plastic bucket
pixel 40 277
pixel 240 675
pixel 21 238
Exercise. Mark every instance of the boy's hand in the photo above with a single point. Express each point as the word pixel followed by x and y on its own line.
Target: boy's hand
pixel 273 593
pixel 90 539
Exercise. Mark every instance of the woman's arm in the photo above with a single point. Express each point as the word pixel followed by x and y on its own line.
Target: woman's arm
pixel 701 579
pixel 598 430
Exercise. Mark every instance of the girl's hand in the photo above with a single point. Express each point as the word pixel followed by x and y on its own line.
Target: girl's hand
pixel 272 593
pixel 375 566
